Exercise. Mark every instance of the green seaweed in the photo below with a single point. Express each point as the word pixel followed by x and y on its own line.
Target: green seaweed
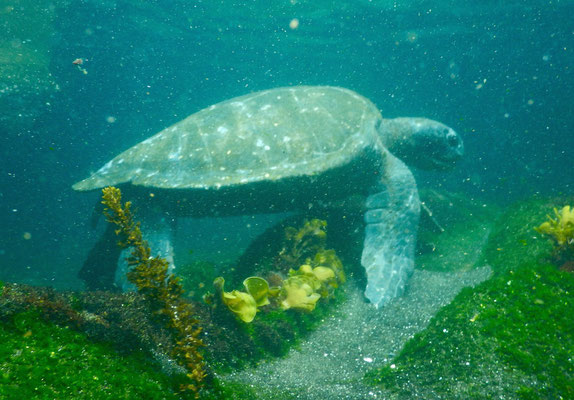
pixel 232 344
pixel 512 336
pixel 313 273
pixel 560 230
pixel 40 360
pixel 518 324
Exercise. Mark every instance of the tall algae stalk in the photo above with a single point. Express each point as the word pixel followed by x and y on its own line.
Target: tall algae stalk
pixel 162 290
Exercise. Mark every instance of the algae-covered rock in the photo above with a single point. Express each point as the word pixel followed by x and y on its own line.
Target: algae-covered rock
pixel 25 44
pixel 510 337
pixel 40 360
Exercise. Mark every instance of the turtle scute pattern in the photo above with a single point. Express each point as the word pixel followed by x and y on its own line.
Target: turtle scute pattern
pixel 266 135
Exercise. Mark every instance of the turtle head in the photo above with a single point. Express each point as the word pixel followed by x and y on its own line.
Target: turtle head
pixel 421 143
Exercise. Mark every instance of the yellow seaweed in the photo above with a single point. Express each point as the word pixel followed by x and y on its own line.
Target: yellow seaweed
pixel 560 228
pixel 299 292
pixel 319 272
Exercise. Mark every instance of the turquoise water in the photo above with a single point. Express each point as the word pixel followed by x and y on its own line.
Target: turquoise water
pixel 498 72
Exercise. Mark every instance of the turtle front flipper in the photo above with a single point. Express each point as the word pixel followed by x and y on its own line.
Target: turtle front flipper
pixel 392 218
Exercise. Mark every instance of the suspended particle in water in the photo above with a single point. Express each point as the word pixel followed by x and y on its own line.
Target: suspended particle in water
pixel 110 119
pixel 480 85
pixel 294 23
pixel 411 36
pixel 453 69
pixel 79 62
pixel 27 236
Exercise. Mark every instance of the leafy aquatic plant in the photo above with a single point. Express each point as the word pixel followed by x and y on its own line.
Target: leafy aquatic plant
pixel 244 304
pixel 561 230
pixel 302 243
pixel 318 272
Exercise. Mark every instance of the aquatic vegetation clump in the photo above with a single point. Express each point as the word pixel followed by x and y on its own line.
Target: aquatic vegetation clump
pixel 319 272
pixel 299 292
pixel 303 242
pixel 561 230
pixel 329 259
pixel 244 304
pixel 163 290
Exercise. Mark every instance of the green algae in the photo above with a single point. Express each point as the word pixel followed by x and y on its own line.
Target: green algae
pixel 512 336
pixel 517 325
pixel 39 359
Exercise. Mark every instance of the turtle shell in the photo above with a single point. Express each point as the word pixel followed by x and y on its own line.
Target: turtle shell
pixel 263 136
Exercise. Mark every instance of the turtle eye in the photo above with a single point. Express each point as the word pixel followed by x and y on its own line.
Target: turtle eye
pixel 452 139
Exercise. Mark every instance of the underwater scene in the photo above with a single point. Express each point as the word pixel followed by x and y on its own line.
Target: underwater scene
pixel 288 199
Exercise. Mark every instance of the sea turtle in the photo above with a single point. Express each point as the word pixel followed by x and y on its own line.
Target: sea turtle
pixel 284 149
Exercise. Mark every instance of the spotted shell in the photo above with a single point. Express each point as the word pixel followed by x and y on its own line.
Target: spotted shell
pixel 267 135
